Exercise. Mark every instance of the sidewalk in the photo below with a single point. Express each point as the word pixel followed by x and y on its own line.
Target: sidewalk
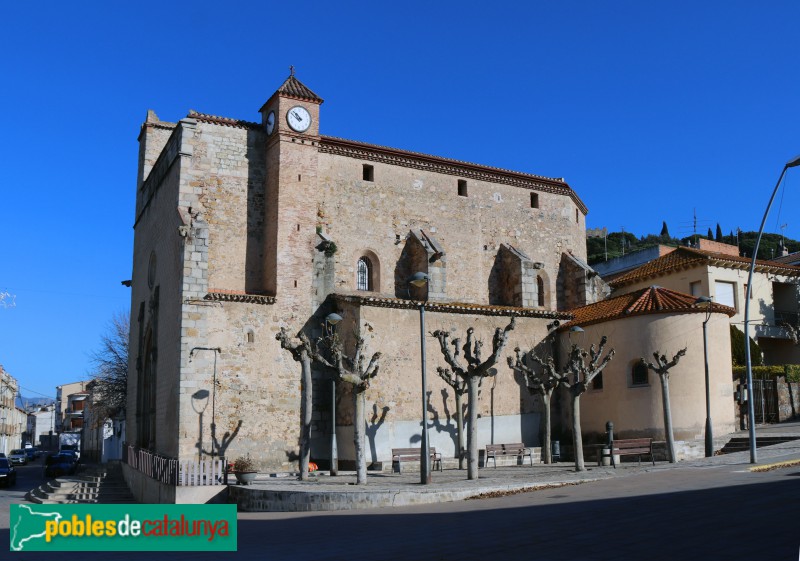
pixel 324 493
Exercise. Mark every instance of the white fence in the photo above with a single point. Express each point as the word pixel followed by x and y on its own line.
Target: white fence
pixel 176 472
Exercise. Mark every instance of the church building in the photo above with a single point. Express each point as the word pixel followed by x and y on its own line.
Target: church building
pixel 242 228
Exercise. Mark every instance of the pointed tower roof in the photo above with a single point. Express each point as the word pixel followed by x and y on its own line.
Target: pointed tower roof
pixel 293 87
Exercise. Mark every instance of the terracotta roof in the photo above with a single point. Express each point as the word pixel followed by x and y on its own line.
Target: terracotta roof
pixel 687 258
pixel 788 259
pixel 225 121
pixel 448 307
pixel 651 300
pixel 293 87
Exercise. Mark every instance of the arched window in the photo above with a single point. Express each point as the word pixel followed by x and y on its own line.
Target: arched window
pixel 364 274
pixel 540 290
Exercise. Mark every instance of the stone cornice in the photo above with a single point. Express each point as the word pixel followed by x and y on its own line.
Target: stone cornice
pixel 393 156
pixel 217 295
pixel 224 121
pixel 450 307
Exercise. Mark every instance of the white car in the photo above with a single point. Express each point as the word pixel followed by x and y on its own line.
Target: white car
pixel 18 456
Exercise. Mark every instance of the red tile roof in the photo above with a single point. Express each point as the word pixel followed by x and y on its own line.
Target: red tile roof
pixel 686 258
pixel 293 87
pixel 651 300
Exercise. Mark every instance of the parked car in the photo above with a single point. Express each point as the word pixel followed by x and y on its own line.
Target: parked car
pixel 30 453
pixel 8 475
pixel 60 464
pixel 18 456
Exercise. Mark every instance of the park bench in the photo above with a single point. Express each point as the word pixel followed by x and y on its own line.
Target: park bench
pixel 630 447
pixel 515 449
pixel 401 455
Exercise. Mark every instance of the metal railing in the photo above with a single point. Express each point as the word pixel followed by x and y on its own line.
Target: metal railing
pixel 172 471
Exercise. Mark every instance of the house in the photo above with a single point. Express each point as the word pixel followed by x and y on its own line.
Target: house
pixel 722 274
pixel 638 324
pixel 243 228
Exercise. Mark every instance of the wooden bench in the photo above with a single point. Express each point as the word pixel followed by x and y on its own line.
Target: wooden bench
pixel 401 455
pixel 514 449
pixel 630 447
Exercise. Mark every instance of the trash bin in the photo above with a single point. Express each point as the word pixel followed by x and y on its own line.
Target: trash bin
pixel 556 450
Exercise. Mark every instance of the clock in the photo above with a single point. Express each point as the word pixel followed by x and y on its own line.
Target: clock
pixel 270 122
pixel 298 118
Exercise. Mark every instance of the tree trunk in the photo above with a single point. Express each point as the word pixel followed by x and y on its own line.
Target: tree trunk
pixel 472 427
pixel 667 419
pixel 359 404
pixel 577 439
pixel 305 416
pixel 547 455
pixel 459 430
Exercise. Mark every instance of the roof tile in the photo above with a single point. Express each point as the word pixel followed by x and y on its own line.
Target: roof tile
pixel 650 300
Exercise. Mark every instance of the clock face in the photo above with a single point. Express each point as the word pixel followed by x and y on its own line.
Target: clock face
pixel 270 122
pixel 298 118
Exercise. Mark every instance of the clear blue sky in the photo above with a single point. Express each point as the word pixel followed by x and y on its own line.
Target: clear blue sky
pixel 648 109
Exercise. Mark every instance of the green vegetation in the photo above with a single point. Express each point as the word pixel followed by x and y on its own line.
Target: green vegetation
pixel 620 243
pixel 737 349
pixel 791 371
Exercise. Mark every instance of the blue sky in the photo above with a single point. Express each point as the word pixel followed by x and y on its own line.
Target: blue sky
pixel 650 110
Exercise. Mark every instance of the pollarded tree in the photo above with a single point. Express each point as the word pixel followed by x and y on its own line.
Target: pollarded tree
pixel 542 383
pixel 459 386
pixel 304 352
pixel 357 372
pixel 582 374
pixel 662 368
pixel 473 370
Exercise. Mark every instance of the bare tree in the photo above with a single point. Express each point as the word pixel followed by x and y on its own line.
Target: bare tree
pixel 582 374
pixel 473 370
pixel 662 368
pixel 540 383
pixel 459 386
pixel 304 352
pixel 357 372
pixel 109 384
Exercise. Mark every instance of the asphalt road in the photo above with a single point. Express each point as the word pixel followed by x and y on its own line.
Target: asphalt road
pixel 721 512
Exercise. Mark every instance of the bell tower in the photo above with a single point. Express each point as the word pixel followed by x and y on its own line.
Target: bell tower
pixel 291 124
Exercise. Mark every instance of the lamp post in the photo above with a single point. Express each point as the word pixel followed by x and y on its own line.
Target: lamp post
pixel 420 280
pixel 577 330
pixel 748 364
pixel 331 320
pixel 705 303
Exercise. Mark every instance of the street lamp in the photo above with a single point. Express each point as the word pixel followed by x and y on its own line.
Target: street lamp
pixel 331 320
pixel 748 364
pixel 705 302
pixel 420 280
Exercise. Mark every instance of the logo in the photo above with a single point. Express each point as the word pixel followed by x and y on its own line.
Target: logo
pixel 134 527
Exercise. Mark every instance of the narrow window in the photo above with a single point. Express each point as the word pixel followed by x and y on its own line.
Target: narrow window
pixel 576 216
pixel 597 382
pixel 540 289
pixel 534 200
pixel 368 173
pixel 251 338
pixel 639 374
pixel 462 187
pixel 364 274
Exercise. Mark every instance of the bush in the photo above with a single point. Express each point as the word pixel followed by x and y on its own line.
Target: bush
pixel 791 371
pixel 243 464
pixel 737 349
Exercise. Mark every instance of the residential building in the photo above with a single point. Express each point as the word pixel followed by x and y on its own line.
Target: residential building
pixel 70 402
pixel 13 420
pixel 722 275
